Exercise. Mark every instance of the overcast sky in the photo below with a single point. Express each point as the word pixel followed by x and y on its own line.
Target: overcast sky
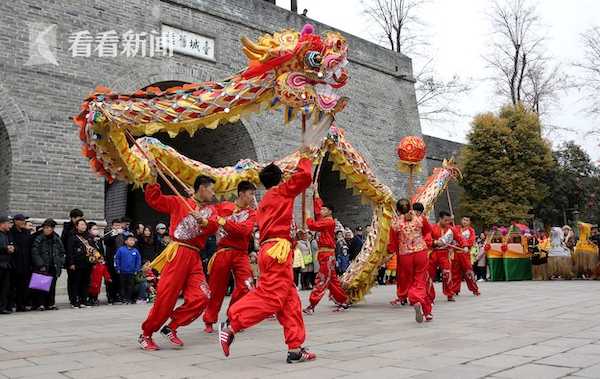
pixel 459 34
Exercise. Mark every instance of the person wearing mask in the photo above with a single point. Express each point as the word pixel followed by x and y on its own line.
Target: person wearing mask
pixel 128 263
pixel 147 246
pixel 159 236
pixel 21 262
pixel 96 237
pixel 113 242
pixel 78 253
pixel 69 226
pixel 6 250
pixel 48 258
pixel 408 241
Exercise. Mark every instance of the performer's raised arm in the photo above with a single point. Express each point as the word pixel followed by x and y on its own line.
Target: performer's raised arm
pixel 300 180
pixel 320 223
pixel 157 200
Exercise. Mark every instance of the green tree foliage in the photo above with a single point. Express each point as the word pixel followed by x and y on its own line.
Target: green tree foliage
pixel 504 166
pixel 574 184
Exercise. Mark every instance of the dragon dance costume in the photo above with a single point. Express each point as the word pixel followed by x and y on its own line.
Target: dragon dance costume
pixel 233 238
pixel 407 240
pixel 327 277
pixel 440 257
pixel 275 293
pixel 179 264
pixel 461 264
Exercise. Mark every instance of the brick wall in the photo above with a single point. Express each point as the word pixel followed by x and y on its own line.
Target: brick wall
pixel 5 163
pixel 49 176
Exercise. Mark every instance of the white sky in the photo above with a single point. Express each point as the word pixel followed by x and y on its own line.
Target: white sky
pixel 459 35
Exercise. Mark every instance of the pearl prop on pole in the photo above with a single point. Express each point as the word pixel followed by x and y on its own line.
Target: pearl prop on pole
pixel 411 151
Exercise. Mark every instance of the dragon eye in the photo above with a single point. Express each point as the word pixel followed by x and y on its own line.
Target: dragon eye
pixel 313 59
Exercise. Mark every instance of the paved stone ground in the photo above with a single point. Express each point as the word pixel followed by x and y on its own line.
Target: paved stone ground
pixel 515 330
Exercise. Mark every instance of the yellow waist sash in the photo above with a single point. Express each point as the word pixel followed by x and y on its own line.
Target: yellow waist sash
pixel 212 259
pixel 168 254
pixel 280 250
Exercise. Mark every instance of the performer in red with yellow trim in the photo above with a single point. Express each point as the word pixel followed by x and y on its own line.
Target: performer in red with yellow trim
pixel 276 293
pixel 442 235
pixel 180 265
pixel 236 221
pixel 327 278
pixel 408 237
pixel 461 264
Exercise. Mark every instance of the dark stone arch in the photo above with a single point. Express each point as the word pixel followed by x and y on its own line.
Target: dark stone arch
pixel 348 207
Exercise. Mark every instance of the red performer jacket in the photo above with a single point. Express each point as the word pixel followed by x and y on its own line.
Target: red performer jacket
pixel 409 237
pixel 325 226
pixel 235 226
pixel 437 232
pixel 468 236
pixel 276 209
pixel 176 209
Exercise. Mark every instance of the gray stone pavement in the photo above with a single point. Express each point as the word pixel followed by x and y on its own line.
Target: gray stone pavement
pixel 514 330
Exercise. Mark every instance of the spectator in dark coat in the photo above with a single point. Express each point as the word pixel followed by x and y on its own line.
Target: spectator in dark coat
pixel 148 246
pixel 48 258
pixel 78 264
pixel 6 250
pixel 68 226
pixel 356 243
pixel 21 262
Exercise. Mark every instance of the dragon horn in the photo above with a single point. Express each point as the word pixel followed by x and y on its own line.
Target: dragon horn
pixel 253 50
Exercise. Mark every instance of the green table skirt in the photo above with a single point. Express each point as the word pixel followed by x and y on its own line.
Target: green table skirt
pixel 517 269
pixel 496 267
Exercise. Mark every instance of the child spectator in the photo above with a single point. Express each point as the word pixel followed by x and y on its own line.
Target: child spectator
pixel 127 263
pixel 99 271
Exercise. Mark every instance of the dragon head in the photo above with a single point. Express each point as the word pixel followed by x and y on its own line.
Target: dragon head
pixel 309 68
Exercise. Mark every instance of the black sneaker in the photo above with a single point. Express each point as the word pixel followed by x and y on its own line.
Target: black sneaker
pixel 302 356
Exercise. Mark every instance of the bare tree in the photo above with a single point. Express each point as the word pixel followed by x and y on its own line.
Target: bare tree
pixel 521 72
pixel 398 23
pixel 590 65
pixel 400 27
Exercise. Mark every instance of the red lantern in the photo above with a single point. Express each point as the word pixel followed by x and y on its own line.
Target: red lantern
pixel 487 247
pixel 411 150
pixel 504 248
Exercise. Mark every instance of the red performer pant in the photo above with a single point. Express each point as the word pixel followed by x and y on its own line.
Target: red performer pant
pixel 223 263
pixel 276 295
pixel 440 259
pixel 327 279
pixel 403 275
pixel 415 268
pixel 183 274
pixel 461 267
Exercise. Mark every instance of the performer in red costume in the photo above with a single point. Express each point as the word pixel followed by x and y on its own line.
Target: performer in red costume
pixel 403 277
pixel 182 271
pixel 276 293
pixel 461 264
pixel 236 221
pixel 407 239
pixel 443 234
pixel 327 278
